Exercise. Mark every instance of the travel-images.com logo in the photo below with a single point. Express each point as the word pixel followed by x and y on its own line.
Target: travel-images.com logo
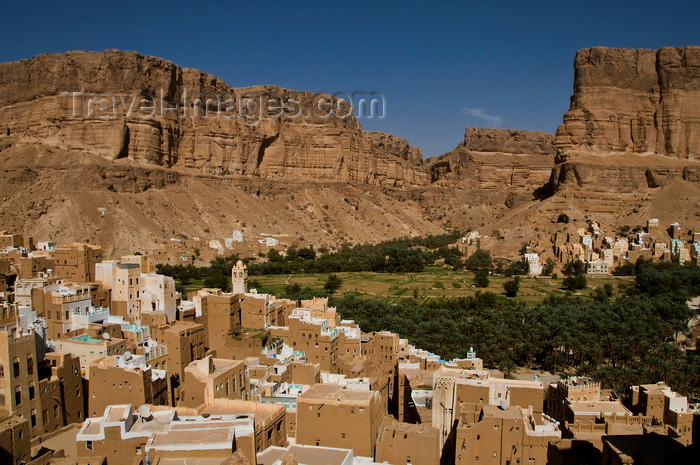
pixel 249 108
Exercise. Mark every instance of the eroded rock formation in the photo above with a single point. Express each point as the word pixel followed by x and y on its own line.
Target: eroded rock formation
pixel 629 145
pixel 116 104
pixel 634 120
pixel 511 165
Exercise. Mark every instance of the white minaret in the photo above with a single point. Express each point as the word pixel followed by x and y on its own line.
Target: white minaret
pixel 239 278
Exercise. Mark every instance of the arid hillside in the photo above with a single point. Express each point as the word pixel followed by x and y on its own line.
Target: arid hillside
pixel 132 181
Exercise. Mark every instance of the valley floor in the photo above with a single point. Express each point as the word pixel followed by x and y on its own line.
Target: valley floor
pixel 435 281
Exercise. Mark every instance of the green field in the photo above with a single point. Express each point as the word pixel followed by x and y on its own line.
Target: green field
pixel 435 281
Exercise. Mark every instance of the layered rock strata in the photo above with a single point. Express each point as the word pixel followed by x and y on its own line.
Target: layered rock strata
pixel 126 105
pixel 634 120
pixel 510 165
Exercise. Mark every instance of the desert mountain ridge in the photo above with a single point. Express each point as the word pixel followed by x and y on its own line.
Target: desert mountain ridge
pixel 628 149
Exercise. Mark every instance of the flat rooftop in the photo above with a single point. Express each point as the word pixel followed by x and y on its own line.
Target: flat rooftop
pixel 335 393
pixel 596 408
pixel 168 431
pixel 118 413
pixel 85 338
pixel 511 413
pixel 180 326
pixel 308 455
pixel 185 439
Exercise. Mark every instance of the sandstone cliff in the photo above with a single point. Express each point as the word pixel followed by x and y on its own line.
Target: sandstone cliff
pixel 627 150
pixel 640 109
pixel 303 140
pixel 634 101
pixel 503 165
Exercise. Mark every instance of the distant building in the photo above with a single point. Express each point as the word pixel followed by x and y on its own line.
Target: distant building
pixel 503 436
pixel 213 378
pixel 90 349
pixel 48 402
pixel 333 416
pixel 185 341
pixel 239 278
pixel 124 378
pixel 570 390
pixel 455 386
pixel 653 226
pixel 76 262
pixel 663 404
pixel 126 435
pixel 534 266
pixel 597 267
pixel 403 443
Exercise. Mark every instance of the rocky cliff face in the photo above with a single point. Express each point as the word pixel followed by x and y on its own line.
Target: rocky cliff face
pixel 628 149
pixel 121 105
pixel 634 101
pixel 508 165
pixel 640 109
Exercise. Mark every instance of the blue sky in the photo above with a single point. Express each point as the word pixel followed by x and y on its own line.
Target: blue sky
pixel 440 66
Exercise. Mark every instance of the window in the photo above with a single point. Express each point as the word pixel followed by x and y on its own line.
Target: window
pixel 30 365
pixel 15 367
pixel 342 435
pixel 33 418
pixel 18 395
pixel 31 390
pixel 88 445
pixel 2 371
pixel 138 450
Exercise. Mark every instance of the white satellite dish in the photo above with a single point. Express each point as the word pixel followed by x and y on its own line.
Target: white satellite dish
pixel 127 355
pixel 106 336
pixel 145 412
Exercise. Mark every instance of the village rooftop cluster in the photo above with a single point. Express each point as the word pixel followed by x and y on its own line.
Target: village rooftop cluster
pixel 104 362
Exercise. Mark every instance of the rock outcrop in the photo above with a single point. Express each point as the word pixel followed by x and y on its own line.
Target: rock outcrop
pixel 162 150
pixel 634 101
pixel 510 141
pixel 633 123
pixel 123 105
pixel 501 165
